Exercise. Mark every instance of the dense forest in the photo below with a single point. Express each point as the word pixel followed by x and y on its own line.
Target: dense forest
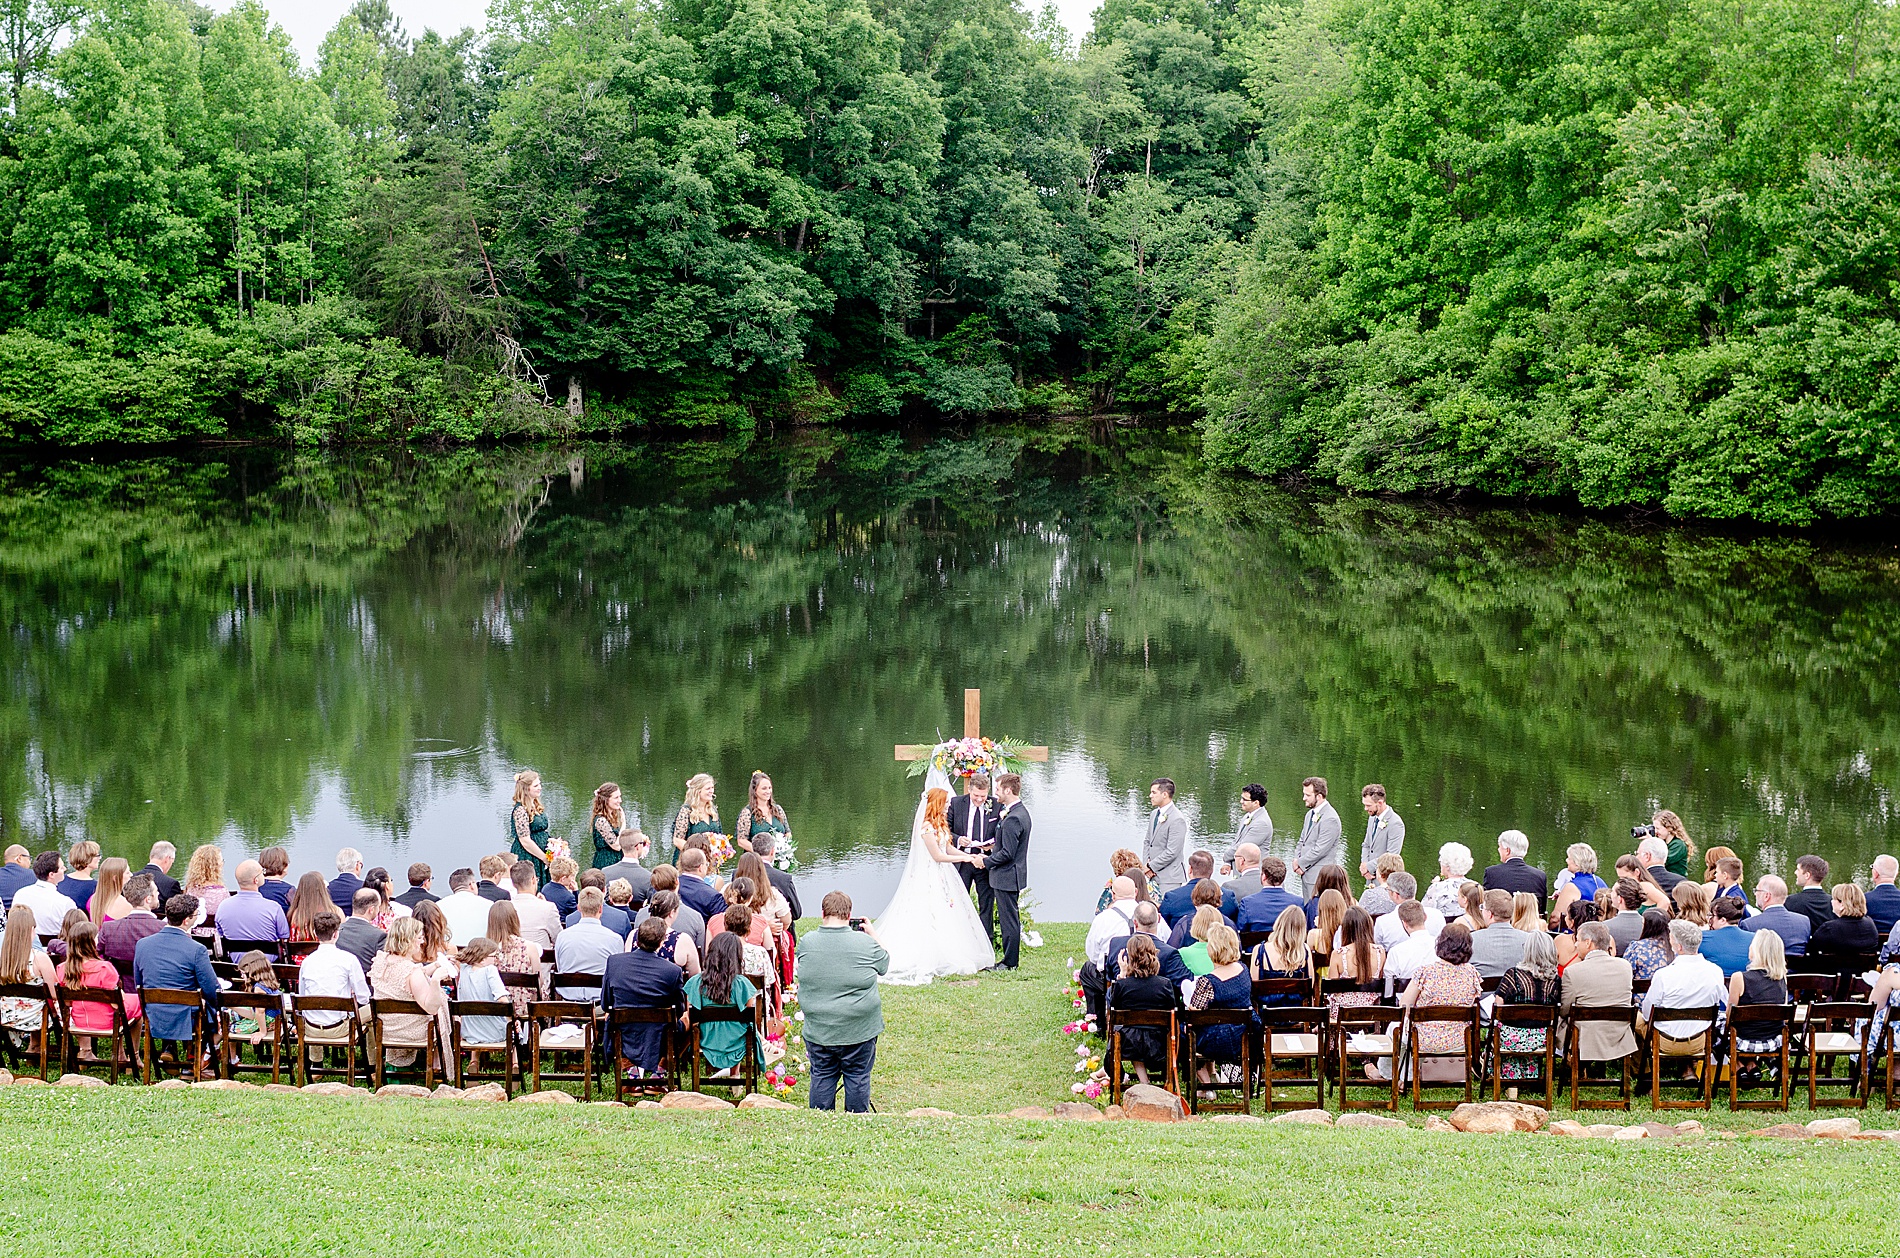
pixel 1629 253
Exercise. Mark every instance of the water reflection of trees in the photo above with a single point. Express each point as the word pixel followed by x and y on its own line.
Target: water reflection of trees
pixel 215 636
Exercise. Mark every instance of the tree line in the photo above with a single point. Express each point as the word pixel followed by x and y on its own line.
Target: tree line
pixel 1629 253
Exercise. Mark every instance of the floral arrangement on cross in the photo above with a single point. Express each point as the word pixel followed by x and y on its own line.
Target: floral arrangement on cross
pixel 961 757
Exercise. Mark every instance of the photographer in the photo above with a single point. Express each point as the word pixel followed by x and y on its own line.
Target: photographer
pixel 838 968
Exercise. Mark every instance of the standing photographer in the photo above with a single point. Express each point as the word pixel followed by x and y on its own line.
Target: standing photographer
pixel 838 968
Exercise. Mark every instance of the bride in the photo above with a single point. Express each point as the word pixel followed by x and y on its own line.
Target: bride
pixel 930 926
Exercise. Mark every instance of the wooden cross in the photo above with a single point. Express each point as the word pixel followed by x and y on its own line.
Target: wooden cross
pixel 972 721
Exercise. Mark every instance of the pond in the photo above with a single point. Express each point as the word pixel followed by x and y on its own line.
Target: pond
pixel 255 647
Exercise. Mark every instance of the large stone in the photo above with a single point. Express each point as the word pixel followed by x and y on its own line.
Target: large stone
pixel 610 1104
pixel 1495 1117
pixel 291 1088
pixel 928 1111
pixel 333 1087
pixel 1661 1131
pixel 225 1085
pixel 648 1104
pixel 754 1100
pixel 1031 1111
pixel 546 1098
pixel 1114 1113
pixel 6 1078
pixel 694 1100
pixel 1152 1105
pixel 1232 1118
pixel 169 1085
pixel 1688 1127
pixel 1305 1118
pixel 485 1092
pixel 1435 1123
pixel 1602 1131
pixel 1834 1128
pixel 411 1090
pixel 1569 1127
pixel 446 1092
pixel 1076 1111
pixel 30 1081
pixel 81 1081
pixel 1784 1131
pixel 1631 1133
pixel 1359 1119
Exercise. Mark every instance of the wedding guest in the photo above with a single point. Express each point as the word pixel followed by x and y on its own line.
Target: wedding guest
pixel 698 815
pixel 1841 940
pixel 84 968
pixel 311 897
pixel 1255 828
pixel 204 878
pixel 1148 922
pixel 629 869
pixel 1598 978
pixel 398 974
pixel 620 903
pixel 1377 899
pixel 1262 909
pixel 1206 893
pixel 678 945
pixel 585 947
pixel 276 863
pixel 1225 986
pixel 1764 981
pixel 1727 874
pixel 119 938
pixel 641 978
pixel 1416 950
pixel 607 827
pixel 1793 928
pixel 1524 914
pixel 1512 874
pixel 528 825
pixel 478 978
pixel 438 948
pixel 248 914
pixel 694 888
pixel 1500 945
pixel 42 895
pixel 15 872
pixel 762 814
pixel 421 879
pixel 1473 919
pixel 838 969
pixel 1331 878
pixel 1651 854
pixel 1246 878
pixel 108 898
pixel 1725 943
pixel 1165 848
pixel 1626 924
pixel 1578 880
pixel 513 954
pixel 465 911
pixel 360 937
pixel 563 885
pixel 1681 849
pixel 171 959
pixel 1444 896
pixel 1180 902
pixel 378 880
pixel 1883 897
pixel 765 898
pixel 1320 844
pixel 740 891
pixel 1388 931
pixel 1534 980
pixel 1649 955
pixel 1385 830
pixel 1357 959
pixel 1194 957
pixel 1327 920
pixel 1580 913
pixel 540 921
pixel 1117 921
pixel 494 885
pixel 24 962
pixel 1692 903
pixel 82 861
pixel 765 846
pixel 1712 857
pixel 159 866
pixel 1811 899
pixel 685 917
pixel 348 880
pixel 1449 980
pixel 1284 954
pixel 330 972
pixel 1141 987
pixel 1690 981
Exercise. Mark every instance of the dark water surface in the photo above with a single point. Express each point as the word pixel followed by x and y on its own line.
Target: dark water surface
pixel 325 650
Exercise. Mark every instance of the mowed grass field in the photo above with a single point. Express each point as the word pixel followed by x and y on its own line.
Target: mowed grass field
pixel 131 1171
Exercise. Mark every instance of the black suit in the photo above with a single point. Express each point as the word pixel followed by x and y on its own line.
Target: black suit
pixel 985 835
pixel 166 884
pixel 1515 876
pixel 783 884
pixel 1008 868
pixel 415 897
pixel 641 980
pixel 1813 903
pixel 492 892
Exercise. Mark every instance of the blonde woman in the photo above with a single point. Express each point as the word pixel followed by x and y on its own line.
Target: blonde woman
pixel 1325 932
pixel 1524 915
pixel 1225 986
pixel 1444 895
pixel 699 815
pixel 1764 982
pixel 1284 954
pixel 761 813
pixel 204 878
pixel 528 824
pixel 398 974
pixel 1692 903
pixel 23 961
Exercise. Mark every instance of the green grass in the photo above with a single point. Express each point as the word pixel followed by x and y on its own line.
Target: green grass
pixel 135 1171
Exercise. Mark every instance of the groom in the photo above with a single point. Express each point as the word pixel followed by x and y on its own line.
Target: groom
pixel 1007 865
pixel 972 817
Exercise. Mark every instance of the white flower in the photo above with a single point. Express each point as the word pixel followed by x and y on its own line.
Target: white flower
pixel 800 1015
pixel 1078 1088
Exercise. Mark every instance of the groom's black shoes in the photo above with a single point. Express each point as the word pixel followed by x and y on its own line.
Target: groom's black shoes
pixel 999 968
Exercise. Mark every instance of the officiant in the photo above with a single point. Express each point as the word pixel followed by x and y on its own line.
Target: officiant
pixel 972 816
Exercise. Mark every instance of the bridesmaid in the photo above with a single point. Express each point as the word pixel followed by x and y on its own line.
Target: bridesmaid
pixel 528 824
pixel 699 814
pixel 609 825
pixel 761 815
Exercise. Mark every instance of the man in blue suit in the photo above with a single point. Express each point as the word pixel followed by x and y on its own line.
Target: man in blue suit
pixel 1883 897
pixel 1793 928
pixel 1259 910
pixel 172 959
pixel 1179 903
pixel 1148 922
pixel 695 892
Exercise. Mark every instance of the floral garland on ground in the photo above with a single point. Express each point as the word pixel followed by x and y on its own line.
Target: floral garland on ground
pixel 1094 1082
pixel 961 757
pixel 786 1050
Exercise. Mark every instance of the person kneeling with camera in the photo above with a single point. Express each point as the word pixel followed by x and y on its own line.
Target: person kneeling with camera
pixel 838 968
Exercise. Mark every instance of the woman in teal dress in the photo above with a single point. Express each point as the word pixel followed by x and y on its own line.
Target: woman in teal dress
pixel 761 815
pixel 609 824
pixel 1681 850
pixel 721 985
pixel 698 815
pixel 528 824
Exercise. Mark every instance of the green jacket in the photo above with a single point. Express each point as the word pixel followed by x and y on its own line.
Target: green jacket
pixel 837 986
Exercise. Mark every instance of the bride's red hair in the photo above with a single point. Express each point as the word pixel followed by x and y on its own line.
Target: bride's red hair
pixel 937 808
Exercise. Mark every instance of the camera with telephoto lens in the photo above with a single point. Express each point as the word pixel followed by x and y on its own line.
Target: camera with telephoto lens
pixel 1644 832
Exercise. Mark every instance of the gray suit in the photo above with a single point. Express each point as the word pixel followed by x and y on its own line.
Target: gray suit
pixel 1165 850
pixel 1320 844
pixel 1255 828
pixel 1385 834
pixel 1626 927
pixel 1497 948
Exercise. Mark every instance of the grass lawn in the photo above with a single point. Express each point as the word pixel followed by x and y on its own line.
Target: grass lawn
pixel 134 1171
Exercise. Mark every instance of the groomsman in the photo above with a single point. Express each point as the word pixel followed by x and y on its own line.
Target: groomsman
pixel 1385 830
pixel 1320 837
pixel 1165 850
pixel 1255 826
pixel 972 817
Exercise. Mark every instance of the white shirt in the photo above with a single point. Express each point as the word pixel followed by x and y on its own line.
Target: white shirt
pixel 330 971
pixel 540 920
pixel 1404 959
pixel 467 915
pixel 50 905
pixel 1112 923
pixel 1691 982
pixel 1389 932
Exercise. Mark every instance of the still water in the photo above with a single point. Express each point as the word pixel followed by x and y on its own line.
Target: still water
pixel 253 648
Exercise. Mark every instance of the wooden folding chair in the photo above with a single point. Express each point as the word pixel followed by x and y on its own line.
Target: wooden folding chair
pixel 232 949
pixel 1461 1017
pixel 1164 1020
pixel 748 1078
pixel 1852 965
pixel 1835 1030
pixel 1624 1015
pixel 1293 1033
pixel 467 1053
pixel 1880 1052
pixel 1703 1079
pixel 575 979
pixel 202 1035
pixel 122 1036
pixel 1524 1018
pixel 43 1040
pixel 289 975
pixel 267 1010
pixel 545 1014
pixel 1195 1021
pixel 1375 1027
pixel 1758 1024
pixel 1251 939
pixel 348 1035
pixel 294 953
pixel 667 1073
pixel 426 1042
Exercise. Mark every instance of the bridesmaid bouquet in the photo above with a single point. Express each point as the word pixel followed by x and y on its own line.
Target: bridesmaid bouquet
pixel 719 848
pixel 785 854
pixel 558 847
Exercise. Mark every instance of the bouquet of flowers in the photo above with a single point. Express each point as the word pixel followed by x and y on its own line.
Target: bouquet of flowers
pixel 785 854
pixel 961 757
pixel 557 847
pixel 719 848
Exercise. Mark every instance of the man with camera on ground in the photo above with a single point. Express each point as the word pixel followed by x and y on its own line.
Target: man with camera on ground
pixel 838 968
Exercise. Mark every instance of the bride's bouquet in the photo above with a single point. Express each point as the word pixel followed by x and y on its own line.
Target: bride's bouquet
pixel 961 757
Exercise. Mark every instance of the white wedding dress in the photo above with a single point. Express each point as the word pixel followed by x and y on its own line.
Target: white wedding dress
pixel 930 927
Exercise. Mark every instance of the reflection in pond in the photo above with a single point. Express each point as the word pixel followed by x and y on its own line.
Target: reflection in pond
pixel 361 649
